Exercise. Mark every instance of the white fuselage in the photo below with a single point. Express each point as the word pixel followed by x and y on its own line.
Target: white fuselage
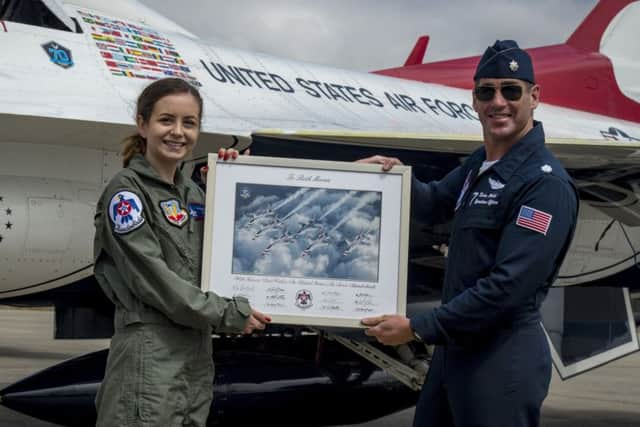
pixel 62 125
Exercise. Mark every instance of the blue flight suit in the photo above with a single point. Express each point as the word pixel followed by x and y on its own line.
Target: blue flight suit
pixel 512 226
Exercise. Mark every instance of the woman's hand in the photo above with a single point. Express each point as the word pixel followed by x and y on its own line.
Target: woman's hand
pixel 256 320
pixel 228 153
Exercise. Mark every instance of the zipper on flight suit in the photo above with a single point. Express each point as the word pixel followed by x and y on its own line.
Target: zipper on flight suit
pixel 452 255
pixel 191 221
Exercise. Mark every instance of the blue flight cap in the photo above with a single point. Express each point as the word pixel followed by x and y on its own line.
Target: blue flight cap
pixel 505 60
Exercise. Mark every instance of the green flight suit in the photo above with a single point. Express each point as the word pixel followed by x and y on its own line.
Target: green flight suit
pixel 148 250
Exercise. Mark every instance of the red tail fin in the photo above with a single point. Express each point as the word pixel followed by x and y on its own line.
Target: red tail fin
pixel 589 33
pixel 417 54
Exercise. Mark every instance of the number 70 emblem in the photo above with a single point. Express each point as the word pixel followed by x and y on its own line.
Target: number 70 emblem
pixel 58 54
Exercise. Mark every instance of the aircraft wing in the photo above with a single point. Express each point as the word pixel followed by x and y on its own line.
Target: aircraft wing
pixel 574 153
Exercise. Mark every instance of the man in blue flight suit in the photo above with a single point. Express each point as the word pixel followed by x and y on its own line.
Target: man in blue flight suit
pixel 514 211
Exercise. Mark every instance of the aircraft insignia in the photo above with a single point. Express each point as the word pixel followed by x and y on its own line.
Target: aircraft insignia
pixel 196 211
pixel 125 212
pixel 174 213
pixel 58 54
pixel 304 299
pixel 615 134
pixel 8 211
pixel 513 65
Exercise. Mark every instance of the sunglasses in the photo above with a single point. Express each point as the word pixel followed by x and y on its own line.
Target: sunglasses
pixel 509 92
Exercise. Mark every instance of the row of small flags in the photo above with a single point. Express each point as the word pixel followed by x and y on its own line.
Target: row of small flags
pixel 130 50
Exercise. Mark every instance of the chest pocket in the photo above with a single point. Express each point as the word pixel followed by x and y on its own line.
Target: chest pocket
pixel 176 254
pixel 175 245
pixel 476 242
pixel 482 219
pixel 484 208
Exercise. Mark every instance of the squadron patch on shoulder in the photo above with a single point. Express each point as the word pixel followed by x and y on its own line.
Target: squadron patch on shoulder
pixel 196 211
pixel 174 213
pixel 125 212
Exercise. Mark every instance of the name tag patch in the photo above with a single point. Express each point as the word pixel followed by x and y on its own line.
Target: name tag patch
pixel 482 198
pixel 196 211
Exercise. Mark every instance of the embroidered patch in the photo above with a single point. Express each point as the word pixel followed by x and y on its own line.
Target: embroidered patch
pixel 196 211
pixel 482 198
pixel 495 184
pixel 465 187
pixel 533 219
pixel 546 168
pixel 174 213
pixel 125 212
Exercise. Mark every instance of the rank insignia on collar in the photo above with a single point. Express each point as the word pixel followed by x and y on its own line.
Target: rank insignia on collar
pixel 513 65
pixel 125 212
pixel 174 213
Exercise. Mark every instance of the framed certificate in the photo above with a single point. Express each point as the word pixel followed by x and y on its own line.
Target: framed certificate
pixel 308 242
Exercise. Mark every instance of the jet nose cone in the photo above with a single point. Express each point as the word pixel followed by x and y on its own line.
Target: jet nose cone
pixel 77 401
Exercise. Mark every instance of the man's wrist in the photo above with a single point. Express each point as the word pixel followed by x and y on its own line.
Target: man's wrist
pixel 416 335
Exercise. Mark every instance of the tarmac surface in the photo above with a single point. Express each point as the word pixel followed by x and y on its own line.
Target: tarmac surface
pixel 608 396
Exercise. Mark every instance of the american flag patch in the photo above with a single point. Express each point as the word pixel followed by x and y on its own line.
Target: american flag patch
pixel 534 219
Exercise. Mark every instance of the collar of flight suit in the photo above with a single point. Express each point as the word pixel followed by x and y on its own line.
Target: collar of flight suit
pixel 520 152
pixel 142 167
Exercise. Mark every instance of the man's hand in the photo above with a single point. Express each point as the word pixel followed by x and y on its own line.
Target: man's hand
pixel 386 162
pixel 389 329
pixel 256 320
pixel 224 154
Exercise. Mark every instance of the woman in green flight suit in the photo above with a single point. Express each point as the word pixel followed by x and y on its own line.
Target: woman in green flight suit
pixel 149 229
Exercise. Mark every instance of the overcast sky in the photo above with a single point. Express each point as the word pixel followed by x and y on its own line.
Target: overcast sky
pixel 375 34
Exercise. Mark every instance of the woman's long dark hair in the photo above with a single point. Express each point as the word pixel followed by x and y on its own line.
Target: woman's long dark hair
pixel 146 101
